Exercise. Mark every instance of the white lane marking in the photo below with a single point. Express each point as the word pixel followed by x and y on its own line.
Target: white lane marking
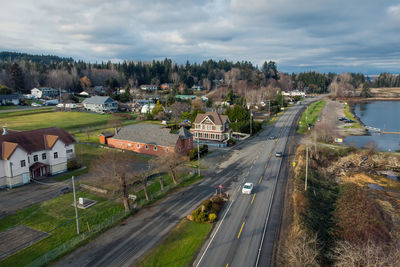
pixel 216 231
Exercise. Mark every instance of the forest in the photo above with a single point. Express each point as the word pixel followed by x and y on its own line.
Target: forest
pixel 21 72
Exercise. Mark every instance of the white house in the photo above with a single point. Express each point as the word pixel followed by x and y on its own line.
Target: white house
pixel 148 108
pixel 45 92
pixel 32 154
pixel 100 104
pixel 294 93
pixel 147 87
pixel 9 99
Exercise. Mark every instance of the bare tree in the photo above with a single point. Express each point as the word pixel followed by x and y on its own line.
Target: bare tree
pixel 178 107
pixel 115 167
pixel 170 164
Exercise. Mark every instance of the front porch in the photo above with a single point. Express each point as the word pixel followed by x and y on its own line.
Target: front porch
pixel 39 169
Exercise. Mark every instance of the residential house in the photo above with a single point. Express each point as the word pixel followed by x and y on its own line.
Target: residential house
pixel 197 87
pixel 211 126
pixel 100 104
pixel 166 86
pixel 84 94
pixel 45 92
pixel 150 139
pixel 148 108
pixel 146 87
pixel 99 90
pixel 28 155
pixel 294 93
pixel 185 97
pixel 12 99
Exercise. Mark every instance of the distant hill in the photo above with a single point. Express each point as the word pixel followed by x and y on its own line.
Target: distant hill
pixel 46 59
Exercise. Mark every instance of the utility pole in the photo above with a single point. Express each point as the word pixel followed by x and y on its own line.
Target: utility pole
pixel 305 181
pixel 75 205
pixel 198 155
pixel 251 119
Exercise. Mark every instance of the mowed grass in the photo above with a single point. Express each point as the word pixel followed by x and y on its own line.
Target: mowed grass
pixel 312 114
pixel 25 112
pixel 179 247
pixel 348 114
pixel 68 121
pixel 56 217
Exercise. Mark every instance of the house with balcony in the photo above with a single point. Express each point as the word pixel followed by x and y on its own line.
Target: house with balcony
pixel 45 93
pixel 26 155
pixel 211 126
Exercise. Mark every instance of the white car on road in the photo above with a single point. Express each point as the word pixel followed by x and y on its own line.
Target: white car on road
pixel 247 188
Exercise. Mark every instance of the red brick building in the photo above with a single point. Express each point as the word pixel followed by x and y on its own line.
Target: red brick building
pixel 211 126
pixel 150 139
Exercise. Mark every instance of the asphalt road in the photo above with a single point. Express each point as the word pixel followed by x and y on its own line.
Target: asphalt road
pixel 126 243
pixel 244 236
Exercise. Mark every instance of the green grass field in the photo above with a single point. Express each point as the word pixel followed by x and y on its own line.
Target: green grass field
pixel 8 107
pixel 179 247
pixel 56 217
pixel 11 113
pixel 349 115
pixel 66 120
pixel 312 113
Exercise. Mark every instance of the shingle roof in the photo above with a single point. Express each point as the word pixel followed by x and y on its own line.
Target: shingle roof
pixel 9 97
pixel 148 134
pixel 215 117
pixel 97 100
pixel 183 132
pixel 32 141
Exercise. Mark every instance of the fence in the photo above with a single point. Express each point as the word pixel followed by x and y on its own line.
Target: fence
pixel 72 243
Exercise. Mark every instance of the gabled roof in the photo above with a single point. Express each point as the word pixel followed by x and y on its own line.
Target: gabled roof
pixel 215 117
pixel 98 100
pixel 32 141
pixel 8 149
pixel 183 132
pixel 148 134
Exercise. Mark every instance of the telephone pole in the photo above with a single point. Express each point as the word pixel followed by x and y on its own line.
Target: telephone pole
pixel 251 124
pixel 75 205
pixel 198 155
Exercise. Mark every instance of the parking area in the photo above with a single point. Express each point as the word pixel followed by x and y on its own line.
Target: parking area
pixel 28 195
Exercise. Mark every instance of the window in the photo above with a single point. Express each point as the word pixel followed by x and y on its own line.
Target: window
pixel 147 147
pixel 129 144
pixel 43 155
pixel 209 127
pixel 23 163
pixel 70 150
pixel 138 145
pixel 35 158
pixel 29 159
pixel 55 155
pixel 155 148
pixel 167 150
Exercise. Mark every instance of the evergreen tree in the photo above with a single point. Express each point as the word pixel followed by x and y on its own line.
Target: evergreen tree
pixel 17 78
pixel 366 91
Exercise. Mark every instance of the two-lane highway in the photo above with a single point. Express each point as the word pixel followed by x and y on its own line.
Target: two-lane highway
pixel 237 238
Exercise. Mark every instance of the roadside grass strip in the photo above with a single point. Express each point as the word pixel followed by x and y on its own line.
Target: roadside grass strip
pixel 349 115
pixel 179 247
pixel 312 113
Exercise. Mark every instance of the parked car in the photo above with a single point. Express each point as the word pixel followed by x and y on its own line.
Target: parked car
pixel 278 154
pixel 247 188
pixel 34 104
pixel 342 119
pixel 272 137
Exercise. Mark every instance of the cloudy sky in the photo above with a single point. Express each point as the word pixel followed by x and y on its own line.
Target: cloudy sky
pixel 323 35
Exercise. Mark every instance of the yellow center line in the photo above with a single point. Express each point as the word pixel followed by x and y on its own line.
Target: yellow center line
pixel 260 179
pixel 241 230
pixel 253 198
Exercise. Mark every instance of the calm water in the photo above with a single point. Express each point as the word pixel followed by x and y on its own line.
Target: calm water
pixel 379 114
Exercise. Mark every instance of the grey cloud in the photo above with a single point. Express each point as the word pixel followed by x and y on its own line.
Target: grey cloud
pixel 335 35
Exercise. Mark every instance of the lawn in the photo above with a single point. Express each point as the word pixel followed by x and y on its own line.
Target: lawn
pixel 11 113
pixel 349 115
pixel 8 107
pixel 180 246
pixel 56 217
pixel 312 114
pixel 66 120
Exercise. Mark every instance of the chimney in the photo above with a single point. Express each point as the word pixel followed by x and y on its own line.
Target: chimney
pixel 5 130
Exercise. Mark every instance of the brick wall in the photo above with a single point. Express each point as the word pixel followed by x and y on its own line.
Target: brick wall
pixel 140 147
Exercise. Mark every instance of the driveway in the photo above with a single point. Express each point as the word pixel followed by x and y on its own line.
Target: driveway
pixel 28 195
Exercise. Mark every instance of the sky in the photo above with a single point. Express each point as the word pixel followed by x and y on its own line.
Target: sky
pixel 321 35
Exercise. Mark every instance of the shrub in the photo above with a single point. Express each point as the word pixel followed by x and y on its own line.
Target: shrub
pixel 212 217
pixel 215 207
pixel 359 218
pixel 202 217
pixel 207 204
pixel 73 164
pixel 231 142
pixel 193 154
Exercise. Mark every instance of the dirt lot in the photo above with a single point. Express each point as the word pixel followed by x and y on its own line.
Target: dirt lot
pixel 329 116
pixel 386 92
